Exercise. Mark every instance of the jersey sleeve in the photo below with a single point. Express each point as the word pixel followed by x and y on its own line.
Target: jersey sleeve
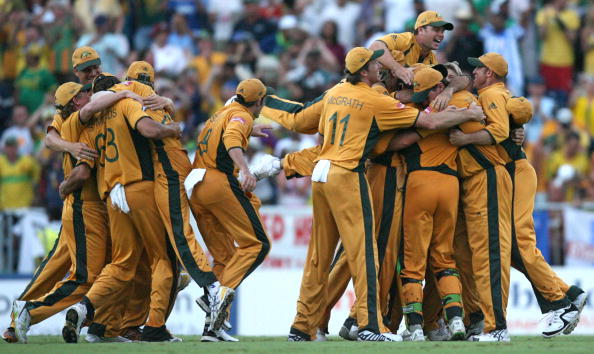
pixel 295 116
pixel 86 138
pixel 397 41
pixel 56 124
pixel 493 105
pixel 392 114
pixel 71 128
pixel 132 111
pixel 237 132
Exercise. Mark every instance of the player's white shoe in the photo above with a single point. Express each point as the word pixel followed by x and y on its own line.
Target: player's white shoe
pixel 440 334
pixel 456 328
pixel 220 298
pixel 22 320
pixel 416 333
pixel 498 335
pixel 560 320
pixel 93 338
pixel 266 166
pixel 321 336
pixel 368 336
pixel 217 336
pixel 579 302
pixel 204 304
pixel 75 315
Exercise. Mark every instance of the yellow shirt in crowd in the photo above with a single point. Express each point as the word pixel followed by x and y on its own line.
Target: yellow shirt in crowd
pixel 557 50
pixel 17 181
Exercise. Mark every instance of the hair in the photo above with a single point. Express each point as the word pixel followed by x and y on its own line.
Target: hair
pixel 356 77
pixel 103 82
pixel 454 66
pixel 242 101
pixel 333 39
pixel 68 109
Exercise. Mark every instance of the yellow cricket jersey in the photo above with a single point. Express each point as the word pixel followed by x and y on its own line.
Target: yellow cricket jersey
pixel 230 127
pixel 137 87
pixel 125 155
pixel 70 130
pixel 472 159
pixel 408 48
pixel 352 118
pixel 17 180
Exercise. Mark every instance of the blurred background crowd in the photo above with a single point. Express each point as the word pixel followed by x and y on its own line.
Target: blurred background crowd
pixel 201 49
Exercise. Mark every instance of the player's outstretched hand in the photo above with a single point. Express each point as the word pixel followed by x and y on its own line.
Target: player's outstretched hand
pixel 476 112
pixel 457 137
pixel 134 96
pixel 260 130
pixel 441 101
pixel 82 152
pixel 248 181
pixel 404 74
pixel 517 136
pixel 177 128
pixel 155 102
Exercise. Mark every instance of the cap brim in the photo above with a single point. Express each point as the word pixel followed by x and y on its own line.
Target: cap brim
pixel 87 87
pixel 446 25
pixel 376 54
pixel 475 62
pixel 420 97
pixel 86 64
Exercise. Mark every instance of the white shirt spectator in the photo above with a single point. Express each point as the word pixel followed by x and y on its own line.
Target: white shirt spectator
pixel 345 17
pixel 397 12
pixel 22 136
pixel 506 44
pixel 111 48
pixel 226 14
pixel 169 59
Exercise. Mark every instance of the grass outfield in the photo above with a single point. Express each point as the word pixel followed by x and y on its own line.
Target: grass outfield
pixel 520 344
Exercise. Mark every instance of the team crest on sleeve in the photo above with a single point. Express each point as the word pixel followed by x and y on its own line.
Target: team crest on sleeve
pixel 237 119
pixel 492 105
pixel 127 83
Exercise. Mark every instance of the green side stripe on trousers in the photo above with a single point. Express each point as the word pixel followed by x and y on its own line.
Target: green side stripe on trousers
pixel 257 227
pixel 371 274
pixel 494 249
pixel 201 277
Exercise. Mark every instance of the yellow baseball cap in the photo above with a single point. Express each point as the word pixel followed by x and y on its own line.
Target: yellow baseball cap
pixel 141 71
pixel 357 57
pixel 424 80
pixel 434 19
pixel 493 61
pixel 520 110
pixel 251 90
pixel 65 93
pixel 83 57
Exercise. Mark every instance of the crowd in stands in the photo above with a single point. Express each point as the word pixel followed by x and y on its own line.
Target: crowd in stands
pixel 201 49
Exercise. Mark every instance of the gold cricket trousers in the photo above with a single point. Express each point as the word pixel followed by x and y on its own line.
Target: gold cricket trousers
pixel 486 198
pixel 525 256
pixel 142 227
pixel 226 215
pixel 385 184
pixel 171 169
pixel 430 207
pixel 342 211
pixel 85 232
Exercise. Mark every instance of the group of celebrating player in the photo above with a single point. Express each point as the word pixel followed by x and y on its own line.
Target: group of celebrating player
pixel 418 179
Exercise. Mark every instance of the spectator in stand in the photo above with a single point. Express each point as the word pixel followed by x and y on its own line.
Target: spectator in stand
pixel 144 16
pixel 557 27
pixel 502 37
pixel 463 42
pixel 112 47
pixel 194 14
pixel 87 10
pixel 345 13
pixel 543 107
pixel 224 14
pixel 587 41
pixel 567 169
pixel 288 32
pixel 59 25
pixel 582 101
pixel 207 57
pixel 246 52
pixel 168 59
pixel 309 80
pixel 260 28
pixel 180 35
pixel 217 86
pixel 19 175
pixel 329 35
pixel 34 82
pixel 20 131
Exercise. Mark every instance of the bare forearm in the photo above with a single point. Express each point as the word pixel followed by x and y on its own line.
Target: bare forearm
pixel 386 59
pixel 55 143
pixel 99 103
pixel 75 181
pixel 481 137
pixel 403 140
pixel 441 120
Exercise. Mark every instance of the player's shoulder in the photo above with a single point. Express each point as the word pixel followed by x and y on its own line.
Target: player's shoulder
pixel 462 98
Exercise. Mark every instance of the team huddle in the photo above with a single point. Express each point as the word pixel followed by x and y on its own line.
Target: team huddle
pixel 422 194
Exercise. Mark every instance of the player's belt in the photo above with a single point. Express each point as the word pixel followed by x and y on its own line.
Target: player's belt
pixel 383 159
